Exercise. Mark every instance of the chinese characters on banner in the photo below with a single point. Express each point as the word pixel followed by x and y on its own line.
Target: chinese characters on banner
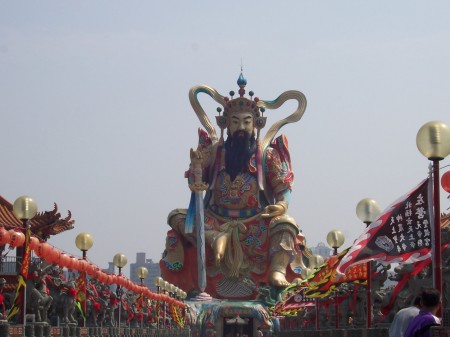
pixel 402 234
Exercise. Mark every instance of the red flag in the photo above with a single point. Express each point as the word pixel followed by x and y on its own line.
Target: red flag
pixel 81 292
pixel 401 234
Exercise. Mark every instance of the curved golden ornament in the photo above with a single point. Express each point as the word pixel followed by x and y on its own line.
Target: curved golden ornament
pixel 275 104
pixel 202 116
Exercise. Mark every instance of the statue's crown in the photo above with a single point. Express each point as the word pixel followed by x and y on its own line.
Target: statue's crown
pixel 241 103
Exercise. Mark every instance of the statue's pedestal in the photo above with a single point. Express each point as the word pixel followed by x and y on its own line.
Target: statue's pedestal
pixel 69 330
pixel 4 328
pixel 39 329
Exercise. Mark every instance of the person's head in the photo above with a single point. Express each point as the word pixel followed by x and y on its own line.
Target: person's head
pixel 431 299
pixel 417 301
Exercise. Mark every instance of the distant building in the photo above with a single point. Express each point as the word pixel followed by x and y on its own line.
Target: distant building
pixel 322 250
pixel 111 269
pixel 153 270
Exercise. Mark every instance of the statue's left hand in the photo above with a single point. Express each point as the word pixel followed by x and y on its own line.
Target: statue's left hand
pixel 273 211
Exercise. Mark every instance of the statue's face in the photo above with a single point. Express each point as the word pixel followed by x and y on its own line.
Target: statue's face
pixel 242 121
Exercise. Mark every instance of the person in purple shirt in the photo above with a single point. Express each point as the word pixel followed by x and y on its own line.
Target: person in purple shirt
pixel 421 324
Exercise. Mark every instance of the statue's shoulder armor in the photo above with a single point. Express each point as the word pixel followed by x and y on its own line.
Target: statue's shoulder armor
pixel 280 144
pixel 204 140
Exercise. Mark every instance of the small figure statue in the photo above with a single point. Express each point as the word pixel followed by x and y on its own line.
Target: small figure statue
pixel 64 293
pixel 39 301
pixel 249 236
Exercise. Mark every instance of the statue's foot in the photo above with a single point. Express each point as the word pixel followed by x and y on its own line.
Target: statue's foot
pixel 278 279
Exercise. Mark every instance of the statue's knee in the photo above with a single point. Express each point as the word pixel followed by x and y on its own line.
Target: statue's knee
pixel 176 219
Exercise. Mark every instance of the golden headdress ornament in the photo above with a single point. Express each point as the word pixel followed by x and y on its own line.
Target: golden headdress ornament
pixel 255 106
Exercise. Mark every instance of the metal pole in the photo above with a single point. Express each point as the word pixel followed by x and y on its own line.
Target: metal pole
pixel 158 306
pixel 142 305
pixel 336 309
pixel 369 289
pixel 84 290
pixel 369 294
pixel 119 295
pixel 437 233
pixel 164 314
pixel 336 306
pixel 25 258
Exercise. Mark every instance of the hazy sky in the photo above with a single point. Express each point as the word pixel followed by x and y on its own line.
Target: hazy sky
pixel 95 113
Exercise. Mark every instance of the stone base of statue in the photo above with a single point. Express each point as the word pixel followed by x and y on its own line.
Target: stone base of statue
pixel 4 328
pixel 221 318
pixel 68 329
pixel 40 329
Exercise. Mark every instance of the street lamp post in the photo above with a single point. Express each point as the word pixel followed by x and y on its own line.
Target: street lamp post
pixel 120 261
pixel 183 296
pixel 158 281
pixel 433 141
pixel 335 239
pixel 142 273
pixel 165 287
pixel 24 208
pixel 367 210
pixel 84 242
pixel 316 262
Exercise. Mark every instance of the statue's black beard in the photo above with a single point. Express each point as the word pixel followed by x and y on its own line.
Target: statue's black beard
pixel 239 148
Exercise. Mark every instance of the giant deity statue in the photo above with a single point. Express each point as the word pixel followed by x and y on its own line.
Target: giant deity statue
pixel 236 237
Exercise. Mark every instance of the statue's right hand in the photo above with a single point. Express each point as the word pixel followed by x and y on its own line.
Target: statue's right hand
pixel 196 157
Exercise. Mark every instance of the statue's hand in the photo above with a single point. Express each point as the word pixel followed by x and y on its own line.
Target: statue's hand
pixel 272 211
pixel 196 157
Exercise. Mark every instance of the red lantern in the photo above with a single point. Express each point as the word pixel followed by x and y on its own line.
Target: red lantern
pixel 108 279
pixel 82 266
pixel 73 263
pixel 4 236
pixel 95 273
pixel 16 239
pixel 90 269
pixel 34 242
pixel 445 181
pixel 43 249
pixel 64 260
pixel 102 277
pixel 126 283
pixel 52 256
pixel 113 279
